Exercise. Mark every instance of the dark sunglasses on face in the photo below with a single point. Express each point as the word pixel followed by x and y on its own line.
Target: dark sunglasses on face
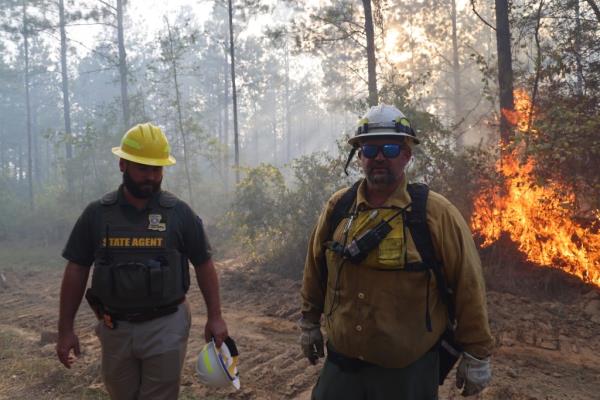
pixel 390 150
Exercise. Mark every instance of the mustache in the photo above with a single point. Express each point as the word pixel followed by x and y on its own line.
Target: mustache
pixel 378 166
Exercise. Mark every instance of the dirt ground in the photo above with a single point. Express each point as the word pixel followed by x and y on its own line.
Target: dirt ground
pixel 545 350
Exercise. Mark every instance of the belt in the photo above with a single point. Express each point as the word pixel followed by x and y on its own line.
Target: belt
pixel 144 315
pixel 346 364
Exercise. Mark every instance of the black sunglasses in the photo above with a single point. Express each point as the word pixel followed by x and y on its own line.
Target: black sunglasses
pixel 390 150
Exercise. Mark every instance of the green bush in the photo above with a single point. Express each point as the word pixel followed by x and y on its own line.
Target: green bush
pixel 273 221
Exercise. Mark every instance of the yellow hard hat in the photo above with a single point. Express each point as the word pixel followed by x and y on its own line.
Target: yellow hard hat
pixel 145 144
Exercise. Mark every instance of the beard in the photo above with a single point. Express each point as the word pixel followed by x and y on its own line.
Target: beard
pixel 382 177
pixel 142 190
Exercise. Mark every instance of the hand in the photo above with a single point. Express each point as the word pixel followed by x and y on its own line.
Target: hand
pixel 473 374
pixel 65 343
pixel 311 340
pixel 215 328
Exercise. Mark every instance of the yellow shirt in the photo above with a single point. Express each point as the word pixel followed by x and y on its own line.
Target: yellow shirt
pixel 375 311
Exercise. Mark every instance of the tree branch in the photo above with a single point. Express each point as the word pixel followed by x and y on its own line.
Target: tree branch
pixel 480 17
pixel 594 7
pixel 347 34
pixel 108 5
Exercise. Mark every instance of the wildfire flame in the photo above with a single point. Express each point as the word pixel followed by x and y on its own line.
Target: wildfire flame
pixel 536 217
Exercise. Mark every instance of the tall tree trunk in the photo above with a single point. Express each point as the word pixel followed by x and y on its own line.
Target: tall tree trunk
pixel 505 73
pixel 48 167
pixel 274 127
pixel 122 64
pixel 65 79
pixel 579 77
pixel 180 116
pixel 35 136
pixel 65 92
pixel 3 169
pixel 288 128
pixel 236 139
pixel 28 106
pixel 226 119
pixel 371 60
pixel 20 161
pixel 456 98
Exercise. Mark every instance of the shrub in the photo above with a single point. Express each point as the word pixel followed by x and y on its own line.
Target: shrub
pixel 273 221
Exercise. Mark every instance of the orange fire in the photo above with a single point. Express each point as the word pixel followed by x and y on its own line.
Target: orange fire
pixel 536 217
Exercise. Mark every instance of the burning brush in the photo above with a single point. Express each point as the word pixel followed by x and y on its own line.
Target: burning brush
pixel 537 217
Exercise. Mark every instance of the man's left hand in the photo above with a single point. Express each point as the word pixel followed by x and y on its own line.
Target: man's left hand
pixel 473 374
pixel 215 328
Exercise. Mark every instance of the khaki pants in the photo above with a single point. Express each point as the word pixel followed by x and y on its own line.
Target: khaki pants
pixel 142 361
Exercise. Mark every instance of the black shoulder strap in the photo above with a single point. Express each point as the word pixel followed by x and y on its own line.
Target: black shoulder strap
pixel 339 212
pixel 342 207
pixel 416 220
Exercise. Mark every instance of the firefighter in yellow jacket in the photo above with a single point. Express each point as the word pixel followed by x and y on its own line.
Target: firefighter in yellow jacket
pixel 387 308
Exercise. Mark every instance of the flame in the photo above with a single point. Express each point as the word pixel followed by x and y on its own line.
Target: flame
pixel 523 112
pixel 537 217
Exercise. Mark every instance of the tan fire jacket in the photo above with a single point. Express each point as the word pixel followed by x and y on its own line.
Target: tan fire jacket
pixel 376 311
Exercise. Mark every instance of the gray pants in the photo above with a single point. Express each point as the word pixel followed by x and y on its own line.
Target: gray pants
pixel 418 381
pixel 142 361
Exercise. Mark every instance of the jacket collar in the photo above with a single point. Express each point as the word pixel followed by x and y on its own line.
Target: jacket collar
pixel 398 199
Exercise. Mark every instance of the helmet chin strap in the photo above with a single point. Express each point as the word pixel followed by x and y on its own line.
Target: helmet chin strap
pixel 352 152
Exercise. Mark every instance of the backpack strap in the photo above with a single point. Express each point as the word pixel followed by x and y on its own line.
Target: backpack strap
pixel 416 220
pixel 340 211
pixel 342 208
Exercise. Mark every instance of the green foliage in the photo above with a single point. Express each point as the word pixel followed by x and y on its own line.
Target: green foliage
pixel 258 199
pixel 566 144
pixel 254 215
pixel 273 220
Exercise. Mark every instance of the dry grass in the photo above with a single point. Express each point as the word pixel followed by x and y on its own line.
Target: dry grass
pixel 31 370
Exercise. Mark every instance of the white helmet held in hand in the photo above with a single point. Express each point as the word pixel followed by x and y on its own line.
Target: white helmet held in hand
pixel 217 367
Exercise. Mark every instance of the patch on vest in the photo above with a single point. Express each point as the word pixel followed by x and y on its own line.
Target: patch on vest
pixel 155 224
pixel 153 242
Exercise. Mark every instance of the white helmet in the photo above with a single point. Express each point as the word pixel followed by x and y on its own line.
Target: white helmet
pixel 217 367
pixel 383 120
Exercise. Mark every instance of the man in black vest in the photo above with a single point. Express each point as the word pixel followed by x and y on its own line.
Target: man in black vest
pixel 139 239
pixel 396 276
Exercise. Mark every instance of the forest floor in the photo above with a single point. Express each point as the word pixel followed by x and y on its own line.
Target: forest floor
pixel 544 349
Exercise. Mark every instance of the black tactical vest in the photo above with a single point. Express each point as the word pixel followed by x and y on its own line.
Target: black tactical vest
pixel 136 267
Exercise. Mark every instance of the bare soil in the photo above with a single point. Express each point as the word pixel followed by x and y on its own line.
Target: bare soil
pixel 545 349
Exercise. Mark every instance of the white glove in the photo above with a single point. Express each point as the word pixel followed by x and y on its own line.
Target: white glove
pixel 311 340
pixel 473 374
